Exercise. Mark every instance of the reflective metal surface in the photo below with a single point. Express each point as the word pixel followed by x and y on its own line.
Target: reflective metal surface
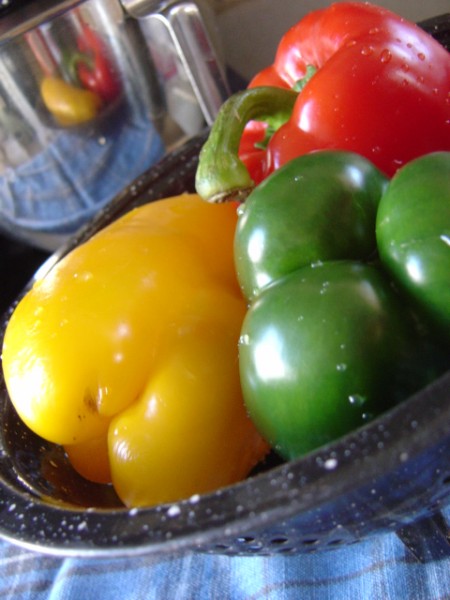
pixel 157 79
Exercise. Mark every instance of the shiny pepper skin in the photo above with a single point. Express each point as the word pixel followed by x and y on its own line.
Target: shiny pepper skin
pixel 381 87
pixel 126 354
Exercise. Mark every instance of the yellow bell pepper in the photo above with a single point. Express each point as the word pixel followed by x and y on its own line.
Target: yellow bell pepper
pixel 126 354
pixel 69 104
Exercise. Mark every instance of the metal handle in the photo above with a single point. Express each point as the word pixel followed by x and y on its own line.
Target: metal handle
pixel 194 46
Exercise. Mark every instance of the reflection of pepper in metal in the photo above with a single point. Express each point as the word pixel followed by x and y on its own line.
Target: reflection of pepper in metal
pixel 69 104
pixel 93 68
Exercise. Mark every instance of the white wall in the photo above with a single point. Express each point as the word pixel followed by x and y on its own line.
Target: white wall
pixel 250 29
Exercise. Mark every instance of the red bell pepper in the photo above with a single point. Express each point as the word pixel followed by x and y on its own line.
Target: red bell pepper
pixel 93 66
pixel 380 88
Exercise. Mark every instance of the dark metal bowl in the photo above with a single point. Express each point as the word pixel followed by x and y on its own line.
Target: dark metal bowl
pixel 391 475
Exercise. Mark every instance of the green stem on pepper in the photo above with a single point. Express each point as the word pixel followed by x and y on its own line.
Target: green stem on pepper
pixel 221 175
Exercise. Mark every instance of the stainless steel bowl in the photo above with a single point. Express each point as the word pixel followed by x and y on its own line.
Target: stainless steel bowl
pixel 157 78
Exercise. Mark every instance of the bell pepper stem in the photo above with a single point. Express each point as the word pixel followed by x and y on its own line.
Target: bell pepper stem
pixel 221 175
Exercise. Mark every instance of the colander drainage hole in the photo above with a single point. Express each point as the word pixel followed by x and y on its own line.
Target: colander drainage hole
pixel 335 542
pixel 222 547
pixel 279 541
pixel 250 543
pixel 310 541
pixel 246 540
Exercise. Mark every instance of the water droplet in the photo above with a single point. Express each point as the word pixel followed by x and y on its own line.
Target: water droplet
pixel 244 340
pixel 174 511
pixel 323 290
pixel 356 400
pixel 341 367
pixel 385 56
pixel 367 416
pixel 330 464
pixel 241 210
pixel 83 276
pixel 316 263
pixel 366 50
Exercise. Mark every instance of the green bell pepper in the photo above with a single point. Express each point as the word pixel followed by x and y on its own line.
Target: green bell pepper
pixel 319 206
pixel 327 343
pixel 413 235
pixel 325 349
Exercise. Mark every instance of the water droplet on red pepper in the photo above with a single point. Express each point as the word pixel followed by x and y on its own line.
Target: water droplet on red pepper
pixel 385 56
pixel 366 50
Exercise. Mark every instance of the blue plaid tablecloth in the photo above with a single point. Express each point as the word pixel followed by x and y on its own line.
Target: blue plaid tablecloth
pixel 379 568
